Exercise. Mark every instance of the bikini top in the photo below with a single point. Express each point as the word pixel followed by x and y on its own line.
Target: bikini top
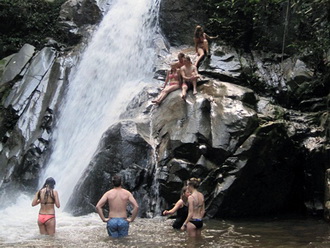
pixel 201 38
pixel 173 76
pixel 47 202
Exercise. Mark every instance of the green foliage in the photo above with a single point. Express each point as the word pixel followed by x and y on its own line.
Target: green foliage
pixel 243 23
pixel 313 29
pixel 266 24
pixel 27 21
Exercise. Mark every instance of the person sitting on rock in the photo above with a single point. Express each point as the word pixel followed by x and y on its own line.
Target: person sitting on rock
pixel 189 76
pixel 174 83
pixel 179 63
pixel 201 43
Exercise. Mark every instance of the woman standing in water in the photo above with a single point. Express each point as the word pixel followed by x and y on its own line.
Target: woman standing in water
pixel 47 197
pixel 196 206
pixel 181 208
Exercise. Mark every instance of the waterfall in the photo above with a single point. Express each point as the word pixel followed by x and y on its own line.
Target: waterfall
pixel 115 65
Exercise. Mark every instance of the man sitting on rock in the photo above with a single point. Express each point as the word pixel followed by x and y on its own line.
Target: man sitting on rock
pixel 189 75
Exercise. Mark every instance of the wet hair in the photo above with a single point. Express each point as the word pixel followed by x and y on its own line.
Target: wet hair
pixel 188 58
pixel 49 185
pixel 50 182
pixel 194 182
pixel 181 55
pixel 198 31
pixel 116 180
pixel 183 191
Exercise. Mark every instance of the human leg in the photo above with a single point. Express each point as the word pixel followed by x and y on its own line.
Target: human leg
pixel 200 56
pixel 112 228
pixel 117 227
pixel 194 83
pixel 50 226
pixel 184 90
pixel 206 46
pixel 42 228
pixel 195 227
pixel 166 91
pixel 123 227
pixel 191 230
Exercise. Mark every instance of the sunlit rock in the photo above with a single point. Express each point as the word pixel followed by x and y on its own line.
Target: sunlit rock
pixel 17 63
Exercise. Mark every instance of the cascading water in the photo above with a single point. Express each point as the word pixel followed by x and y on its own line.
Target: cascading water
pixel 119 58
pixel 115 65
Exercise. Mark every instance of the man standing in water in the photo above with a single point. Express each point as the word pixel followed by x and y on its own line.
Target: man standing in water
pixel 118 199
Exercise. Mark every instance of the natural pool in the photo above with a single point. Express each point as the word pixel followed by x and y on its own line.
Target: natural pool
pixel 18 228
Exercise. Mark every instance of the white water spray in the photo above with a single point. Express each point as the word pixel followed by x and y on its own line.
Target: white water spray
pixel 114 67
pixel 119 58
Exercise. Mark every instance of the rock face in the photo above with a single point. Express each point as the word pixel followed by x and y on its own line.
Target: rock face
pixel 121 150
pixel 75 15
pixel 245 149
pixel 178 20
pixel 36 86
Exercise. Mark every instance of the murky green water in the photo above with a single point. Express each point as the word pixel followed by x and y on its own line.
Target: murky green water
pixel 89 231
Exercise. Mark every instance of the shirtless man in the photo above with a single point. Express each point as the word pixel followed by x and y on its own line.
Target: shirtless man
pixel 189 75
pixel 117 199
pixel 196 209
pixel 179 63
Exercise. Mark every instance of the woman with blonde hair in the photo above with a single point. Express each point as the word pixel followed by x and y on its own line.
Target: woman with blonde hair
pixel 174 83
pixel 194 222
pixel 47 197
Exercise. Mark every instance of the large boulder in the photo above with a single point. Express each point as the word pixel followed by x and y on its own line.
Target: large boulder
pixel 30 107
pixel 122 150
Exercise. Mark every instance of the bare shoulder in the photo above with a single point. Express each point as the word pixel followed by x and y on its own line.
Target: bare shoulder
pixel 127 192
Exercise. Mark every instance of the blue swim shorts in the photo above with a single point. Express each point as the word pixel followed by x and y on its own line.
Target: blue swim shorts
pixel 117 227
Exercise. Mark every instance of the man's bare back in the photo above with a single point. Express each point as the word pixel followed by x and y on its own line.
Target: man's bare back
pixel 117 200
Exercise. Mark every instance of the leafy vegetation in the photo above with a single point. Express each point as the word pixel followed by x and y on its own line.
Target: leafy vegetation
pixel 274 25
pixel 27 21
pixel 287 27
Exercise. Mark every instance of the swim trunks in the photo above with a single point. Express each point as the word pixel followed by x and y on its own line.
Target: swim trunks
pixel 197 222
pixel 187 83
pixel 117 227
pixel 43 218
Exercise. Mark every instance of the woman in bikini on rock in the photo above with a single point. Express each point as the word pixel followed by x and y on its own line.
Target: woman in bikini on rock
pixel 194 222
pixel 174 83
pixel 201 43
pixel 47 197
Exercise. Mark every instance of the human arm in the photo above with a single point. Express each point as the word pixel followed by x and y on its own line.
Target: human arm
pixel 56 199
pixel 183 74
pixel 99 207
pixel 166 79
pixel 190 212
pixel 177 205
pixel 35 200
pixel 135 208
pixel 195 74
pixel 210 37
